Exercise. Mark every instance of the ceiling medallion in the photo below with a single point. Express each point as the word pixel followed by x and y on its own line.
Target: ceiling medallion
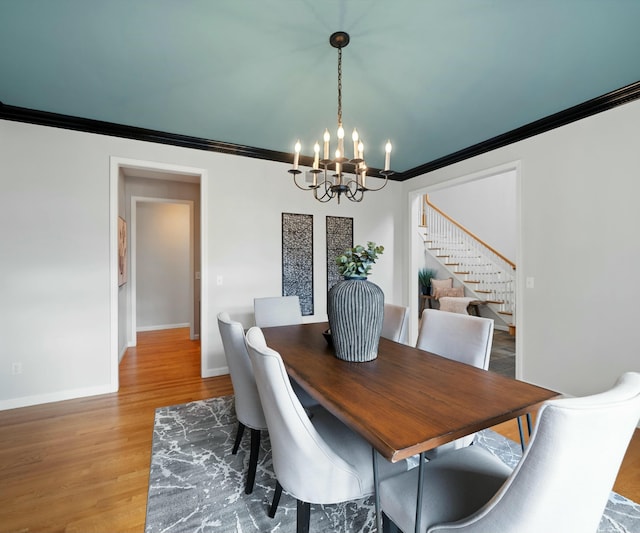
pixel 328 175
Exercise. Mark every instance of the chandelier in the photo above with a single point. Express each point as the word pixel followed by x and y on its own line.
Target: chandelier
pixel 328 175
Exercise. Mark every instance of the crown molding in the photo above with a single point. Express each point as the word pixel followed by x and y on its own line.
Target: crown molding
pixel 591 107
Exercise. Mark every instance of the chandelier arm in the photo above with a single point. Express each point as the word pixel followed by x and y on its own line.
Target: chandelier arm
pixel 295 181
pixel 352 193
pixel 326 196
pixel 386 180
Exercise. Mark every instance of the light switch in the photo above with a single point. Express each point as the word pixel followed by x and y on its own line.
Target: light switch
pixel 219 280
pixel 529 282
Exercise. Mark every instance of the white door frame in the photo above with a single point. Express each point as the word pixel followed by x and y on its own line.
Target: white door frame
pixel 117 164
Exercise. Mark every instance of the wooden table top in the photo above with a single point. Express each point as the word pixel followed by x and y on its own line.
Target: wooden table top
pixel 406 401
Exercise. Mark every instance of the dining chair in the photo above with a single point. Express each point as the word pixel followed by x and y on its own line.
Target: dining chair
pixel 464 338
pixel 317 460
pixel 277 311
pixel 395 322
pixel 247 400
pixel 274 311
pixel 562 482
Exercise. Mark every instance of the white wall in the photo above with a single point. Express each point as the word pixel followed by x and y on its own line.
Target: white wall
pixel 55 283
pixel 163 269
pixel 486 207
pixel 578 202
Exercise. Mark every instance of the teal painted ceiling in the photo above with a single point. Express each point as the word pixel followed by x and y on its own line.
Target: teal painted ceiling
pixel 434 76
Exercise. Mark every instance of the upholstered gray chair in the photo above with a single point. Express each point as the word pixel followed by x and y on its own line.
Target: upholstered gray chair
pixel 277 311
pixel 282 311
pixel 317 460
pixel 562 482
pixel 395 322
pixel 246 397
pixel 464 338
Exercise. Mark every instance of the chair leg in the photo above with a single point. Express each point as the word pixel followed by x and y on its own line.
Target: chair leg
pixel 253 460
pixel 276 500
pixel 303 515
pixel 239 433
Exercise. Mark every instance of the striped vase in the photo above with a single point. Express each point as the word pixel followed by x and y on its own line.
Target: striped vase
pixel 356 309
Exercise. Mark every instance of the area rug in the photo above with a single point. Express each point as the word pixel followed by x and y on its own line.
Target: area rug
pixel 197 486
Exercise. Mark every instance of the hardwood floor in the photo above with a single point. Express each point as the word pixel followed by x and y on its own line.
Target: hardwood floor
pixel 83 465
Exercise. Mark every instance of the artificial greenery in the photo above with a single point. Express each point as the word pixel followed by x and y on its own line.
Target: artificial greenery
pixel 357 261
pixel 425 275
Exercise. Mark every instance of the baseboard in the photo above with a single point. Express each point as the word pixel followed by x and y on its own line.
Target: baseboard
pixel 122 352
pixel 213 372
pixel 163 326
pixel 60 396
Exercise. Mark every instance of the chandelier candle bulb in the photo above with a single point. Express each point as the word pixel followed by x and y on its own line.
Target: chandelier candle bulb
pixel 340 140
pixel 355 138
pixel 387 155
pixel 327 138
pixel 296 156
pixel 316 156
pixel 361 150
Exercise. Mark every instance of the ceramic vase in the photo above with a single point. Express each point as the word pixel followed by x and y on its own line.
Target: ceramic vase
pixel 356 309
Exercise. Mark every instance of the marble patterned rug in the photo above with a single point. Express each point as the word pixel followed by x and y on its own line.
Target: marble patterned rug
pixel 196 485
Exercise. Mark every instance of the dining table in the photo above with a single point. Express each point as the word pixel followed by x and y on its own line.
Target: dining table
pixel 406 401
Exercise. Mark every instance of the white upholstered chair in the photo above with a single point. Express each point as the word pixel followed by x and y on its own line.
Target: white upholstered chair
pixel 395 322
pixel 464 338
pixel 282 311
pixel 317 460
pixel 277 311
pixel 562 482
pixel 246 397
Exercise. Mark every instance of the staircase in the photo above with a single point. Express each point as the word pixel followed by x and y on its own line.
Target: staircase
pixel 485 273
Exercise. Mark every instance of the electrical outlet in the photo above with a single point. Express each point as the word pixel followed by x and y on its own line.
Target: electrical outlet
pixel 16 368
pixel 529 282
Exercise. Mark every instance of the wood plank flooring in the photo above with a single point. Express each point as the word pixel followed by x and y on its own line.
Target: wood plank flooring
pixel 83 465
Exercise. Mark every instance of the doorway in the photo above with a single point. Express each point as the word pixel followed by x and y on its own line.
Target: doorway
pixel 164 177
pixel 493 197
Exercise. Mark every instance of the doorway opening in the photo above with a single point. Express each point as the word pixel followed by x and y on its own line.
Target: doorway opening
pixel 499 215
pixel 167 190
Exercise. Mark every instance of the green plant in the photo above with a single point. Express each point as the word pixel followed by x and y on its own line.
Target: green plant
pixel 357 261
pixel 425 275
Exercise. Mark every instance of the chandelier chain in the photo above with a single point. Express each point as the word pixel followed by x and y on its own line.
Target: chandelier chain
pixel 340 86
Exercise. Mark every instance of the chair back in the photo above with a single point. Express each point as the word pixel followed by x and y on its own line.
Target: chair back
pixel 395 322
pixel 304 464
pixel 567 472
pixel 464 338
pixel 246 397
pixel 277 311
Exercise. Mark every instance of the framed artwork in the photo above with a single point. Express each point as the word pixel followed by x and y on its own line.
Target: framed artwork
pixel 122 251
pixel 297 259
pixel 339 238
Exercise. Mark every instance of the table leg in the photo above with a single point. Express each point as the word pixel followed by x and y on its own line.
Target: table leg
pixel 376 487
pixel 420 489
pixel 520 429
